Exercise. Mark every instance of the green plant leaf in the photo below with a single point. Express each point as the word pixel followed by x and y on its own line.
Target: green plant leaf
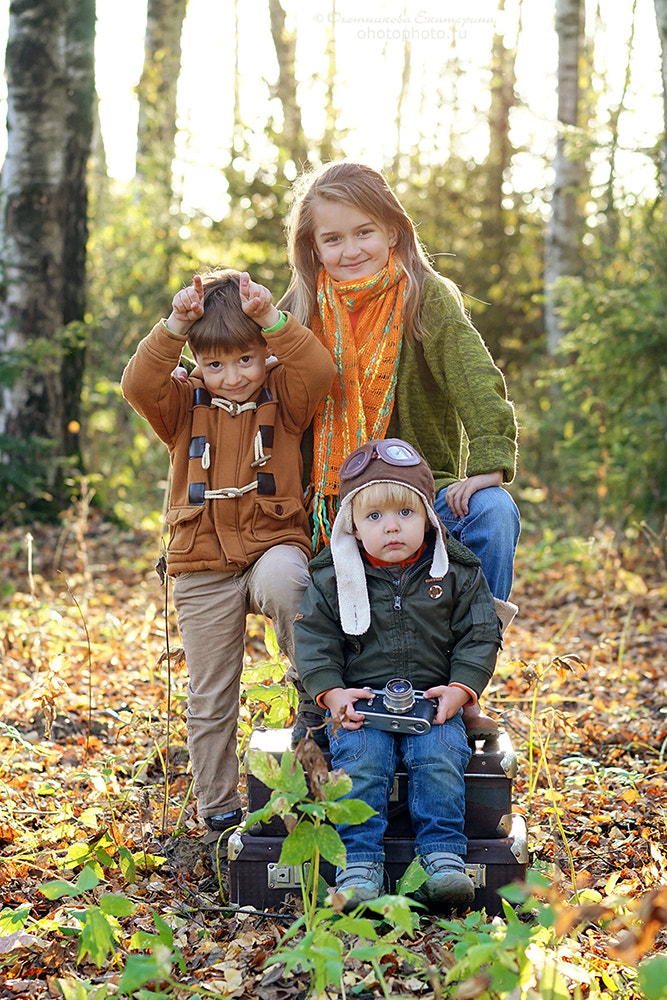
pixel 264 767
pixel 293 776
pixel 117 905
pixel 88 878
pixel 396 910
pixel 163 929
pixel 97 937
pixel 141 969
pixel 127 865
pixel 652 975
pixel 336 785
pixel 75 989
pixel 57 888
pixel 330 845
pixel 352 811
pixel 411 879
pixel 315 810
pixel 271 643
pixel 13 920
pixel 104 857
pixel 144 940
pixel 299 845
pixel 286 777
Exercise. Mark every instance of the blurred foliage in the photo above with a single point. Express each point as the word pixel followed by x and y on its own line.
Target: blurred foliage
pixel 493 253
pixel 592 422
pixel 595 420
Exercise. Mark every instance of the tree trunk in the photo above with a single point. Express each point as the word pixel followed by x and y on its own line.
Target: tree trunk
pixel 612 223
pixel 503 99
pixel 43 227
pixel 330 145
pixel 661 18
pixel 80 63
pixel 157 92
pixel 292 141
pixel 564 228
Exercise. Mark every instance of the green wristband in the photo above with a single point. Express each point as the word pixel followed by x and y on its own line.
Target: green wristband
pixel 276 326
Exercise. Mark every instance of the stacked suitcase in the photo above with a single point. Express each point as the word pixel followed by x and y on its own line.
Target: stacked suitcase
pixel 497 850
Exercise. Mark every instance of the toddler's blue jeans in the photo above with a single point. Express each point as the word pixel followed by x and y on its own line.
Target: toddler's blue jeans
pixel 435 762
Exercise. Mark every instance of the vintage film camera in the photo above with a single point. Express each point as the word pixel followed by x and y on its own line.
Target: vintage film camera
pixel 398 708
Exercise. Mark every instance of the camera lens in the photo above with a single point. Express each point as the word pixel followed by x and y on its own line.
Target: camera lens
pixel 398 695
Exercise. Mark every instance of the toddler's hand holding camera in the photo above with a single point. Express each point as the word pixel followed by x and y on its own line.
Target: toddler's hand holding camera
pixel 340 702
pixel 450 699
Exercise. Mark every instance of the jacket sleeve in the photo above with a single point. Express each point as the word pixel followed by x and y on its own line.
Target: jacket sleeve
pixel 148 386
pixel 319 643
pixel 463 368
pixel 307 371
pixel 477 633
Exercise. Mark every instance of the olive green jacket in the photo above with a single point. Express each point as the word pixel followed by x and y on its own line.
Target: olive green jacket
pixel 451 400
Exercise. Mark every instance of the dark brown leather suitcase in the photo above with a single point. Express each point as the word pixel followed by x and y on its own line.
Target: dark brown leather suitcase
pixel 257 879
pixel 488 780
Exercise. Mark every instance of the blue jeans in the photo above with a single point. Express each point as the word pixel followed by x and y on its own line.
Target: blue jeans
pixel 435 762
pixel 491 530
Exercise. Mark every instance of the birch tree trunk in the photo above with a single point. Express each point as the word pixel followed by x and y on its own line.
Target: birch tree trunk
pixel 661 18
pixel 292 141
pixel 503 99
pixel 43 229
pixel 564 227
pixel 79 118
pixel 157 93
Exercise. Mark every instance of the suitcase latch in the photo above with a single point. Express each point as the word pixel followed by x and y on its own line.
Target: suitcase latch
pixel 283 876
pixel 477 875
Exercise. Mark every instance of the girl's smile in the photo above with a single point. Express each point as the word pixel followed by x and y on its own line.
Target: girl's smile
pixel 348 242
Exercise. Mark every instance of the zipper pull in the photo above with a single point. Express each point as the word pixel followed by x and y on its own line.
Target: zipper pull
pixel 397 602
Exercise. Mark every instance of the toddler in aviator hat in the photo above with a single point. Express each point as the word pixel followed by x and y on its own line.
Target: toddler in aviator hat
pixel 393 596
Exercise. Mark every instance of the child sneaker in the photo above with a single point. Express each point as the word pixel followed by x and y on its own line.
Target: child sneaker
pixel 366 879
pixel 447 884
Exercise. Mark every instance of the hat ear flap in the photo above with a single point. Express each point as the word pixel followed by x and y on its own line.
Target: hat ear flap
pixel 353 603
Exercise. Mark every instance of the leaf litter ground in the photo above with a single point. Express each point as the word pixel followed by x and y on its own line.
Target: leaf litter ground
pixel 94 751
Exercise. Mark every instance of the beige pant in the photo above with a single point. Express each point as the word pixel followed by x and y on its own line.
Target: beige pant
pixel 212 609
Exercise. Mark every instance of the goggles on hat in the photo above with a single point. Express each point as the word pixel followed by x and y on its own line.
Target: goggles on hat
pixel 391 450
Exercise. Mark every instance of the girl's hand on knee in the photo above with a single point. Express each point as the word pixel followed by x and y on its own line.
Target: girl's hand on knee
pixel 340 702
pixel 458 494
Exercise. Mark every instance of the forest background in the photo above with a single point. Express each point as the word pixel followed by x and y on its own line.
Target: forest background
pixel 149 140
pixel 528 148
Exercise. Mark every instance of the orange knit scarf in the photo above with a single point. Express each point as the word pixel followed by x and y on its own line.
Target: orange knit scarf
pixel 361 398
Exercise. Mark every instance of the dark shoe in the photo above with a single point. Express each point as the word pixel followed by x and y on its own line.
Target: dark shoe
pixel 446 885
pixel 220 828
pixel 312 723
pixel 309 717
pixel 479 726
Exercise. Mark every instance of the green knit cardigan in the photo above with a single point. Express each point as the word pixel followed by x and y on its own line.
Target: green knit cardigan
pixel 451 400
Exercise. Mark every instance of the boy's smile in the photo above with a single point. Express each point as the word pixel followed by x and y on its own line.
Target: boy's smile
pixel 234 375
pixel 348 242
pixel 391 532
